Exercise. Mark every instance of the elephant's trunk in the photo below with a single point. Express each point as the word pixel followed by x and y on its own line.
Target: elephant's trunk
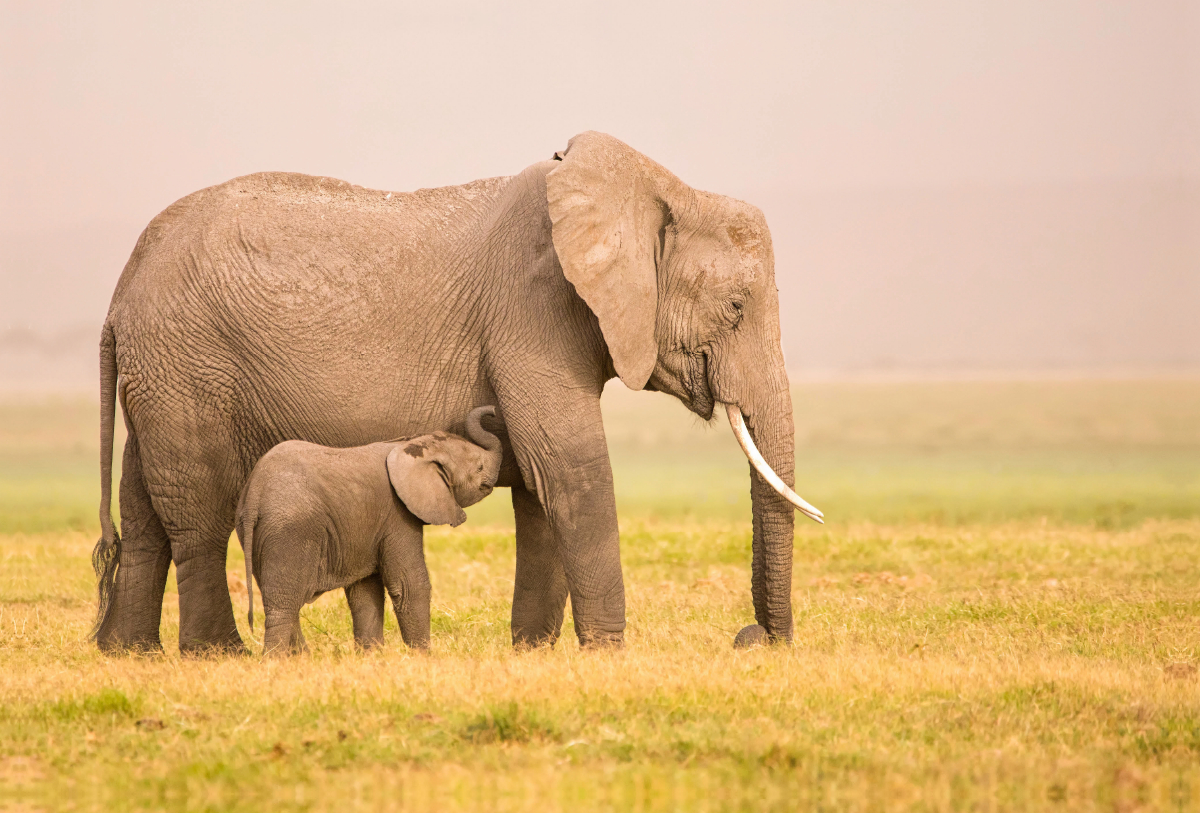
pixel 771 434
pixel 486 439
pixel 737 422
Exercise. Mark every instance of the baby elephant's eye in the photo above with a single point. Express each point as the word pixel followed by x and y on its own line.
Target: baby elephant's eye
pixel 480 467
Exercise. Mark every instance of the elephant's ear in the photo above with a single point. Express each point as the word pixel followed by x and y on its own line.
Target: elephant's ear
pixel 608 204
pixel 421 485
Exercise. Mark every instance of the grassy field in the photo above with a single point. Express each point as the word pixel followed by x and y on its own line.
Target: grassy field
pixel 1000 615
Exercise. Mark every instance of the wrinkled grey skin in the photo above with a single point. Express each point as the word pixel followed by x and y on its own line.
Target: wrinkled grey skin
pixel 312 519
pixel 278 306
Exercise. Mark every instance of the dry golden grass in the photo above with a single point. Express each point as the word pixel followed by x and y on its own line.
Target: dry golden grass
pixel 939 668
pixel 1021 645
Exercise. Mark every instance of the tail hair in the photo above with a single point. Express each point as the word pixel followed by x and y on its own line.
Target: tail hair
pixel 105 557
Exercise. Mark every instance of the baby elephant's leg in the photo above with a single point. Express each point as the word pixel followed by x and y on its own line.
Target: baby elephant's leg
pixel 365 598
pixel 286 577
pixel 407 582
pixel 283 635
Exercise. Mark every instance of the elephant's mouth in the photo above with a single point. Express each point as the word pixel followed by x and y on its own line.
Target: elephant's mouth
pixel 699 388
pixel 684 374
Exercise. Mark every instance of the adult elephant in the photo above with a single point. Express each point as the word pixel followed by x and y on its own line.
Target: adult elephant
pixel 282 306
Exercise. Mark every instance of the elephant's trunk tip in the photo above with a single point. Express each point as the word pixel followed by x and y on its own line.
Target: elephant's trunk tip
pixel 476 431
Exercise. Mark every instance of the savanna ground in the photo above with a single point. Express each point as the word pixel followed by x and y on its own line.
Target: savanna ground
pixel 1000 614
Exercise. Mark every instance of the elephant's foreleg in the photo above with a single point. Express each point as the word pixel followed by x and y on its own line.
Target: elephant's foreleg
pixel 406 578
pixel 134 615
pixel 540 586
pixel 365 598
pixel 559 443
pixel 591 556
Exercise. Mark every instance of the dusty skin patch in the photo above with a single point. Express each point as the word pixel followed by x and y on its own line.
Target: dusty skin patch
pixel 744 236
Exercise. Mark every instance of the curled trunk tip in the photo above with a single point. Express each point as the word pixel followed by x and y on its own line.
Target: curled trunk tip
pixel 477 433
pixel 487 440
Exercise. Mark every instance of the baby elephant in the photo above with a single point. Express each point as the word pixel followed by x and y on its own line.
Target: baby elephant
pixel 313 518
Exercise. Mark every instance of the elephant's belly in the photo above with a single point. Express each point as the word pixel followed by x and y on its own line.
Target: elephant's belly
pixel 350 557
pixel 339 582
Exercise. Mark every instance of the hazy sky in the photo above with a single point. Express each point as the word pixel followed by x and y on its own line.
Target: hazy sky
pixel 113 110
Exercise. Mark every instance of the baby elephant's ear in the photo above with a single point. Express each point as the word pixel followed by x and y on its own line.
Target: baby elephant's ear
pixel 420 485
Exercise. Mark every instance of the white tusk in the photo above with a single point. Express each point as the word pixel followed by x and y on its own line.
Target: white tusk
pixel 756 459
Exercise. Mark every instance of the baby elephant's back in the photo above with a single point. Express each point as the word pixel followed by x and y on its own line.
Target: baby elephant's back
pixel 298 482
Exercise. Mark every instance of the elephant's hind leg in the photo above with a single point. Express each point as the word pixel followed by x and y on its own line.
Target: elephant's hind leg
pixel 197 504
pixel 282 635
pixel 287 574
pixel 540 586
pixel 134 615
pixel 365 598
pixel 206 623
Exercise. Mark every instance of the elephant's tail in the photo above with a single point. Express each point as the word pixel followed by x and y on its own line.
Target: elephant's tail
pixel 247 518
pixel 107 552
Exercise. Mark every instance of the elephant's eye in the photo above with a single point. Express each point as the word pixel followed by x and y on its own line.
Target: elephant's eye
pixel 735 312
pixel 480 468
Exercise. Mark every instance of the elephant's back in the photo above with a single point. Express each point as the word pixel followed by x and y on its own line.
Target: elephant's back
pixel 279 229
pixel 286 470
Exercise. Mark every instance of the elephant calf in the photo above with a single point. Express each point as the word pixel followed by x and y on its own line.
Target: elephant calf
pixel 313 518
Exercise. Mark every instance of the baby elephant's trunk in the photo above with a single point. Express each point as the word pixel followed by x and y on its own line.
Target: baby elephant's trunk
pixel 487 440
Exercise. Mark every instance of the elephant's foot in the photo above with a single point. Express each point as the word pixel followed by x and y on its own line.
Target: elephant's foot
pixel 601 640
pixel 281 632
pixel 600 622
pixel 751 636
pixel 536 630
pixel 368 643
pixel 111 644
pixel 131 624
pixel 124 633
pixel 523 643
pixel 757 635
pixel 537 616
pixel 231 647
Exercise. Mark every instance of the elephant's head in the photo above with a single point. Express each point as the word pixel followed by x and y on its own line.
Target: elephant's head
pixel 438 475
pixel 682 283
